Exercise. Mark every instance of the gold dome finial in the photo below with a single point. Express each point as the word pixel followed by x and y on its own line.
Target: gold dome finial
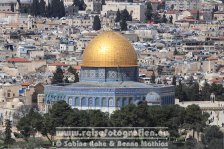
pixel 109 49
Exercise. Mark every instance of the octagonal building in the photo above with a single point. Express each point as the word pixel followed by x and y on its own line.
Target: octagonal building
pixel 108 78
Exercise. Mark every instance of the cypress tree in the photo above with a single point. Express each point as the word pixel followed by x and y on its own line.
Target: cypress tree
pixel 58 76
pixel 174 80
pixel 48 11
pixel 198 15
pixel 42 8
pixel 123 25
pixel 118 16
pixel 12 7
pixel 96 23
pixel 148 12
pixel 8 138
pixel 164 19
pixel 35 8
pixel 171 20
pixel 62 9
pixel 153 78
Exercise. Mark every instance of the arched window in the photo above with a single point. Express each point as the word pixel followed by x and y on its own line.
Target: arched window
pixel 97 102
pixel 104 102
pixel 125 101
pixel 90 102
pixel 70 101
pixel 131 100
pixel 77 102
pixel 84 102
pixel 118 102
pixel 111 102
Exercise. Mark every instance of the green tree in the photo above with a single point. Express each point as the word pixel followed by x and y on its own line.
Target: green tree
pixel 96 23
pixel 123 25
pixel 42 8
pixel 12 7
pixel 148 12
pixel 49 11
pixel 213 137
pixel 8 130
pixel 80 4
pixel 159 69
pixel 98 118
pixel 57 9
pixel 171 19
pixel 174 80
pixel 58 76
pixel 198 15
pixel 153 78
pixel 190 143
pixel 217 89
pixel 125 15
pixel 75 73
pixel 205 91
pixel 194 118
pixel 164 19
pixel 58 116
pixel 118 16
pixel 35 8
pixel 30 124
pixel 62 9
pixel 157 17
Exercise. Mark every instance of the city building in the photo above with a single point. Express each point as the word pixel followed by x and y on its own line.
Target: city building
pixel 109 79
pixel 136 9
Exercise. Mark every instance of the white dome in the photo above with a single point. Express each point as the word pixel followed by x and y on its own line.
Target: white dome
pixel 20 104
pixel 153 98
pixel 16 100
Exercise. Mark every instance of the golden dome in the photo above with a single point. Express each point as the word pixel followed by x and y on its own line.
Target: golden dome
pixel 109 49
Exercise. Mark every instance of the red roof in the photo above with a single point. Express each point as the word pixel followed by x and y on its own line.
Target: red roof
pixel 57 64
pixel 17 60
pixel 25 83
pixel 77 67
pixel 195 11
pixel 171 12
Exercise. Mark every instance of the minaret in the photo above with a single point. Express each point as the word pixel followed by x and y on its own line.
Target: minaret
pixel 17 13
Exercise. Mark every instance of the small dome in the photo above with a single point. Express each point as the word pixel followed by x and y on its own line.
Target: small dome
pixel 16 100
pixel 153 98
pixel 20 104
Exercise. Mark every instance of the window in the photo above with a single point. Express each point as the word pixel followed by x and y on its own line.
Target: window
pixel 111 102
pixel 97 102
pixel 118 102
pixel 104 102
pixel 90 102
pixel 77 103
pixel 70 101
pixel 125 101
pixel 84 101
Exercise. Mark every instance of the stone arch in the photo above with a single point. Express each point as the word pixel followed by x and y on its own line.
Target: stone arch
pixel 84 102
pixel 97 102
pixel 77 102
pixel 104 102
pixel 111 102
pixel 90 102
